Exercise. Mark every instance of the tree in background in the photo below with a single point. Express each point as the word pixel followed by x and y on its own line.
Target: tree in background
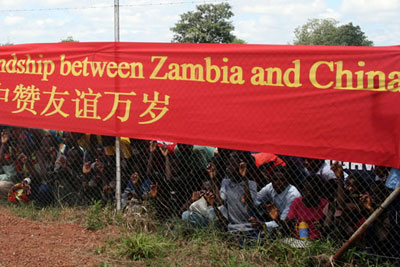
pixel 6 44
pixel 327 32
pixel 209 23
pixel 69 39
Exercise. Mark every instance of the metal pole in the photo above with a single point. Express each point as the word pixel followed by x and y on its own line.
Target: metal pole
pixel 117 139
pixel 364 226
pixel 116 20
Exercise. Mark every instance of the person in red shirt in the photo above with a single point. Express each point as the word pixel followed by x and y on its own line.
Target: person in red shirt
pixel 20 192
pixel 310 208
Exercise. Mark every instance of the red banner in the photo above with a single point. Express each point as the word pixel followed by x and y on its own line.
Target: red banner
pixel 313 101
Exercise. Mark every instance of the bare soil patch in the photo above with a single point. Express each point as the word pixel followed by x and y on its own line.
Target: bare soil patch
pixel 32 243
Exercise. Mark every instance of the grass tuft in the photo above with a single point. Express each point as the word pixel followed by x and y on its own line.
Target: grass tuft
pixel 140 246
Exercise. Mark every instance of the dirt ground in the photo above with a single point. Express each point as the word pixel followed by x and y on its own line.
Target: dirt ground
pixel 30 243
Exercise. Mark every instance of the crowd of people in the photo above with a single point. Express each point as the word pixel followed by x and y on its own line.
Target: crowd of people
pixel 256 195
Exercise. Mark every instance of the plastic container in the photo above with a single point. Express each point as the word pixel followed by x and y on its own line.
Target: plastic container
pixel 303 230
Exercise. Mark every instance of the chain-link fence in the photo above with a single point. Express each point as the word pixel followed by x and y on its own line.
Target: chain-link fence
pixel 259 195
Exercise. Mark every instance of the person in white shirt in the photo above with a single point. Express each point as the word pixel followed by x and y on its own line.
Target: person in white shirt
pixel 278 193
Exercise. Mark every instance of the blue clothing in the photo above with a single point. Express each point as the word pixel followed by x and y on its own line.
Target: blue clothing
pixel 393 180
pixel 198 219
pixel 144 188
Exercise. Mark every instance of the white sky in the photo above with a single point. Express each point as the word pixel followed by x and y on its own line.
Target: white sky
pixel 255 21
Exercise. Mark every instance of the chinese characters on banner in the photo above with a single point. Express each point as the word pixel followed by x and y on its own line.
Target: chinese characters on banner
pixel 86 103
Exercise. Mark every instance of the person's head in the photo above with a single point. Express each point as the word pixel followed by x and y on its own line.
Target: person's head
pixel 381 171
pixel 16 132
pixel 99 153
pixel 267 170
pixel 279 179
pixel 185 149
pixel 207 185
pixel 48 146
pixel 312 189
pixel 355 184
pixel 313 165
pixel 378 193
pixel 74 158
pixel 17 139
pixel 27 181
pixel 235 159
pixel 71 138
pixel 158 162
pixel 224 153
pixel 139 147
pixel 134 167
pixel 233 165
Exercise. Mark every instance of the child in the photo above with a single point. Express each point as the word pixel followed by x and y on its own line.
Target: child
pixel 20 192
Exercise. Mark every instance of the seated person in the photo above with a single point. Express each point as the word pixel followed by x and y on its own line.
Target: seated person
pixel 350 210
pixel 20 192
pixel 184 172
pixel 237 194
pixel 380 234
pixel 323 169
pixel 308 210
pixel 138 188
pixel 220 161
pixel 199 209
pixel 265 163
pixel 279 193
pixel 94 180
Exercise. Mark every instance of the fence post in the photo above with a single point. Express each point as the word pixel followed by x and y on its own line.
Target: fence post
pixel 117 139
pixel 364 226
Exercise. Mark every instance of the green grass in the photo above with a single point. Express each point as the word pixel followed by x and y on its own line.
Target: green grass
pixel 32 212
pixel 139 239
pixel 95 217
pixel 140 246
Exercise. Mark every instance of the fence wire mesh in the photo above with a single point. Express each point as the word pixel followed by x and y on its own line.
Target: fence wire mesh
pixel 259 195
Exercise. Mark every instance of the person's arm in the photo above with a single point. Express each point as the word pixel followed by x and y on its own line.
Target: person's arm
pixel 212 172
pixel 87 168
pixel 153 192
pixel 338 170
pixel 247 195
pixel 195 196
pixel 164 152
pixel 26 188
pixel 27 161
pixel 136 184
pixel 365 199
pixel 217 199
pixel 4 140
pixel 210 198
pixel 262 196
pixel 187 204
pixel 286 225
pixel 86 172
pixel 101 172
pixel 41 162
pixel 328 221
pixel 107 185
pixel 153 147
pixel 289 202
